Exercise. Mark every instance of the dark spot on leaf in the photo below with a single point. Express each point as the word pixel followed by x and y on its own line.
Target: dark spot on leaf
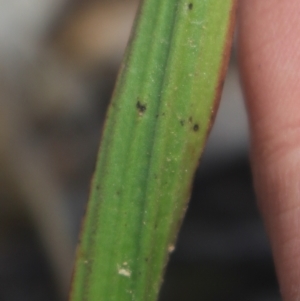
pixel 196 127
pixel 163 114
pixel 141 107
pixel 182 122
pixel 146 259
pixel 157 115
pixel 190 6
pixel 191 119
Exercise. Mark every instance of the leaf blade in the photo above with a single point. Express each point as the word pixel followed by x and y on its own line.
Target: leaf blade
pixel 156 127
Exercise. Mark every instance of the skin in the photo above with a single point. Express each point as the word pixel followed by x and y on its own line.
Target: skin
pixel 269 58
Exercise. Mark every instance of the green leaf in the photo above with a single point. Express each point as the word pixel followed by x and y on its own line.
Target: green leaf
pixel 157 124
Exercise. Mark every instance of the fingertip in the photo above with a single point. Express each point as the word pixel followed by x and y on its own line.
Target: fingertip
pixel 269 59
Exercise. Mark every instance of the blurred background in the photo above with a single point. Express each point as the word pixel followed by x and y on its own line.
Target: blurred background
pixel 58 64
